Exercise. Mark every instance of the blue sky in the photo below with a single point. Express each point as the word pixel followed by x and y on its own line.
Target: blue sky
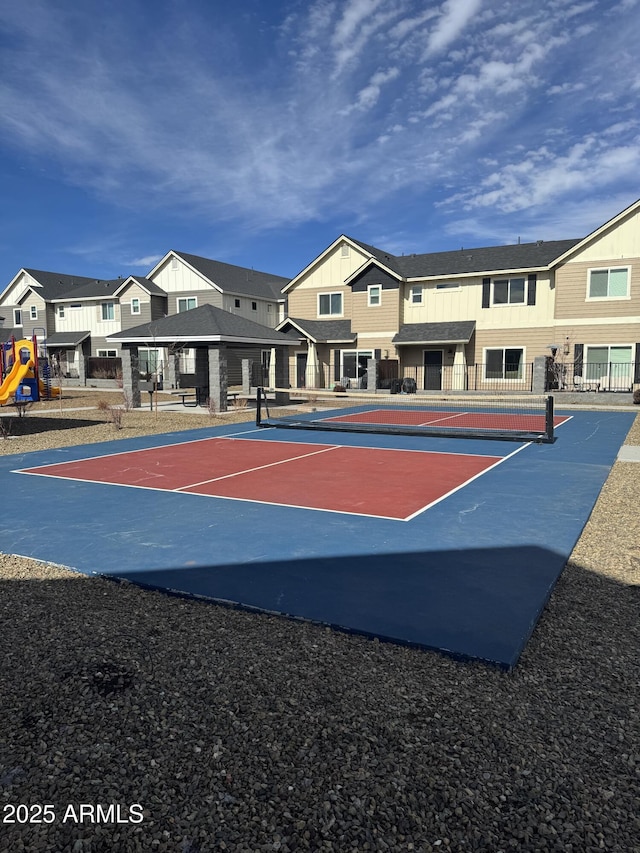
pixel 256 132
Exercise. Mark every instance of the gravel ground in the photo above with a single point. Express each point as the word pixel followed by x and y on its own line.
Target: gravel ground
pixel 245 732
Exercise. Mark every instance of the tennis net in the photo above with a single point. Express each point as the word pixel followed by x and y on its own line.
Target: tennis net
pixel 510 417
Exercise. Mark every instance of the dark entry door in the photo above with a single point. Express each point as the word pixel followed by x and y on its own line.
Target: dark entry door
pixel 433 370
pixel 301 370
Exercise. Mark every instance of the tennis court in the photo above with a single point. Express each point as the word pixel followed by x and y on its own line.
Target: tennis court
pixel 419 539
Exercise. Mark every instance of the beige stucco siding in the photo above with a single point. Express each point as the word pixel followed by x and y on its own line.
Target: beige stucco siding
pixel 571 290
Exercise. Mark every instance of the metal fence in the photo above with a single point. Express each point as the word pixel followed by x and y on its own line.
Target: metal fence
pixel 470 377
pixel 99 367
pixel 592 376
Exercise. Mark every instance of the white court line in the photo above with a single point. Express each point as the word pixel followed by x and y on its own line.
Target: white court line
pixel 466 482
pixel 256 468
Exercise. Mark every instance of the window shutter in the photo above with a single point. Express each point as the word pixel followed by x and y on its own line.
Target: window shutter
pixel 636 372
pixel 486 292
pixel 578 352
pixel 336 365
pixel 377 354
pixel 532 281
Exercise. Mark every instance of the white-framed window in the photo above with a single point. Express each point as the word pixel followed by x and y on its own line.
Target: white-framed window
pixel 269 308
pixel 608 283
pixel 148 360
pixel 330 305
pixel 508 291
pixel 374 295
pixel 504 363
pixel 34 312
pixel 416 294
pixel 354 364
pixel 76 305
pixel 448 285
pixel 108 310
pixel 236 303
pixel 61 312
pixel 17 316
pixel 610 364
pixel 107 353
pixel 135 305
pixel 187 303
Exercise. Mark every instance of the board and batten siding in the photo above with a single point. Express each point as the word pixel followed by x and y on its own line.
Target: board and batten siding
pixel 266 312
pixel 181 280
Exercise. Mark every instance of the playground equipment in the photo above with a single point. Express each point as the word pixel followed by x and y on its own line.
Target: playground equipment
pixel 26 376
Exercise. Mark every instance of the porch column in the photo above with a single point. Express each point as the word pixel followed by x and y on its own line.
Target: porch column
pixel 247 373
pixel 459 382
pixel 539 374
pixel 131 374
pixel 372 374
pixel 218 377
pixel 170 378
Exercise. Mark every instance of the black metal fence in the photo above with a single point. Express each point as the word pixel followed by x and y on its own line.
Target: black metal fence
pixel 470 377
pixel 99 367
pixel 592 376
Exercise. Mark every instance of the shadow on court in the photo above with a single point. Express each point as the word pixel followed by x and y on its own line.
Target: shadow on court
pixel 475 604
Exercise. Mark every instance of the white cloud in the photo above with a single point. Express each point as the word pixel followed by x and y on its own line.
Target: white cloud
pixel 455 16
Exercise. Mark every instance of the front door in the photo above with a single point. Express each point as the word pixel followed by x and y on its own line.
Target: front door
pixel 301 370
pixel 433 369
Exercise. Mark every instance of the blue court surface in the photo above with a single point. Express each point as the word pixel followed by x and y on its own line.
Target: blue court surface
pixel 440 543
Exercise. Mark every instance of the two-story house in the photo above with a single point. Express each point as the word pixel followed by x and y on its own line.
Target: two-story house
pixel 74 316
pixel 475 318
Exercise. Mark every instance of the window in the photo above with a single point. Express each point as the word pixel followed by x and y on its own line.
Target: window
pixel 108 311
pixel 187 361
pixel 61 311
pixel 508 291
pixel 345 250
pixel 107 353
pixel 374 292
pixel 148 361
pixel 75 305
pixel 254 306
pixel 354 365
pixel 612 283
pixel 504 363
pixel 174 263
pixel 187 304
pixel 17 317
pixel 269 308
pixel 449 285
pixel 330 305
pixel 236 303
pixel 612 366
pixel 135 305
pixel 416 294
pixel 34 312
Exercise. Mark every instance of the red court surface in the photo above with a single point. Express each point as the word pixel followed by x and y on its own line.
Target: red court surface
pixel 460 420
pixel 383 483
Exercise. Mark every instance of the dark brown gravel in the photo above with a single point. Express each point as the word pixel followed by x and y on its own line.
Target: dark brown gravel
pixel 246 732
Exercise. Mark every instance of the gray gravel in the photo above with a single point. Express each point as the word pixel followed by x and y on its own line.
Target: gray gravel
pixel 244 732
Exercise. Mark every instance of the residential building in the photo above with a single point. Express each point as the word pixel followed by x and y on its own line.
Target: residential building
pixel 473 319
pixel 74 315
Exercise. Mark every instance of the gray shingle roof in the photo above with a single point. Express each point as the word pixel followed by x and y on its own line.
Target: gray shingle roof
pixel 487 259
pixel 233 279
pixel 148 285
pixel 206 323
pixel 436 333
pixel 66 339
pixel 322 331
pixel 56 285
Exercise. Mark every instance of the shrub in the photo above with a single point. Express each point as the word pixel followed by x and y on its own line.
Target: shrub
pixel 113 413
pixel 636 396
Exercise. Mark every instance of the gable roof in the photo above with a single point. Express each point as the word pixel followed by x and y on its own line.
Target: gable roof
pixel 321 331
pixel 204 324
pixel 52 285
pixel 580 244
pixel 150 286
pixel 228 278
pixel 369 250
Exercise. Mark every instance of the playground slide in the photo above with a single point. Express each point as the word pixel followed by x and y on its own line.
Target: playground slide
pixel 14 378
